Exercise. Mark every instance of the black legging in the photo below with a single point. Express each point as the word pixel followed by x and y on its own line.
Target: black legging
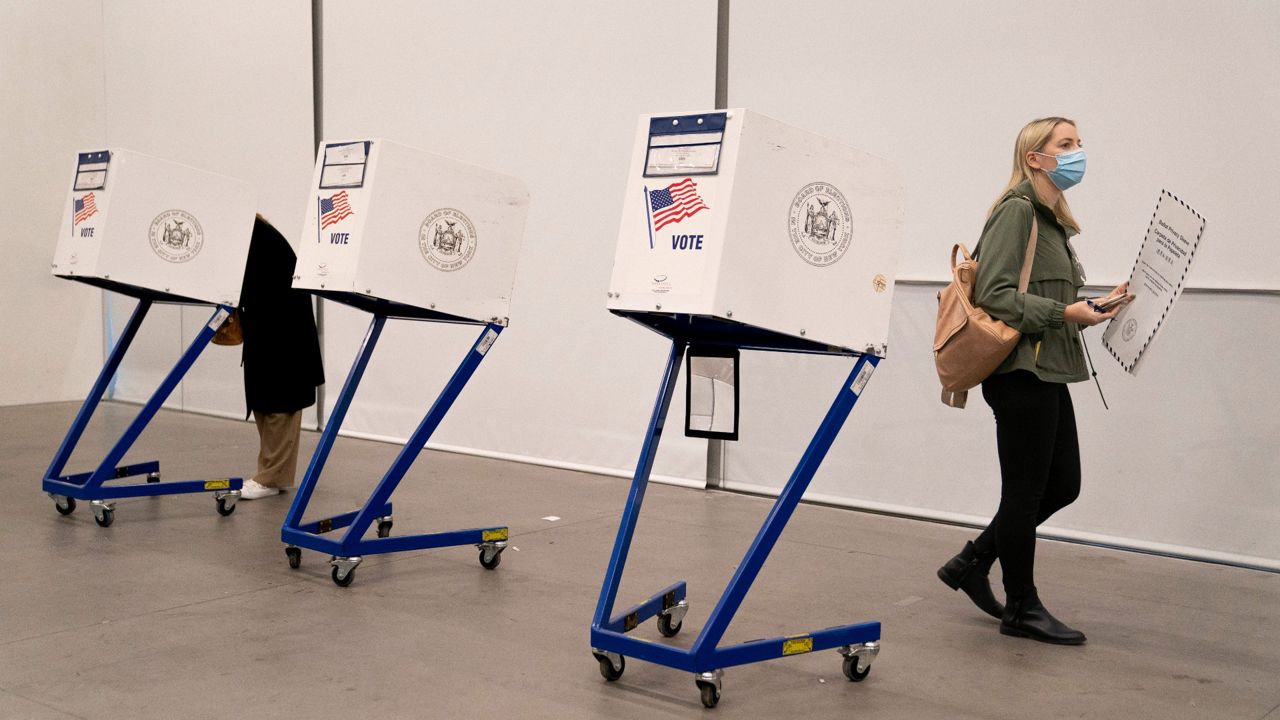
pixel 1039 469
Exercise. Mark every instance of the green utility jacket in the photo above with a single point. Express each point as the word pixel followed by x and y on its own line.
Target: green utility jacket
pixel 1049 347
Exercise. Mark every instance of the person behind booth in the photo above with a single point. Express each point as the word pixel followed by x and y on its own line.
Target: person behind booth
pixel 1035 423
pixel 281 358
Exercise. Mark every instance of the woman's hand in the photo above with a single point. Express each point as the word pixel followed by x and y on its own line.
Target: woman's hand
pixel 1084 313
pixel 1081 313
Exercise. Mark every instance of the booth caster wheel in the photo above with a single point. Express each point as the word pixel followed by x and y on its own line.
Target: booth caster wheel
pixel 709 687
pixel 612 664
pixel 671 619
pixel 857 660
pixel 103 514
pixel 852 671
pixel 491 554
pixel 667 628
pixel 64 505
pixel 344 570
pixel 227 502
pixel 295 556
pixel 153 477
pixel 710 695
pixel 384 527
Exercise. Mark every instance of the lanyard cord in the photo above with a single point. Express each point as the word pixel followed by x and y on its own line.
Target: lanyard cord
pixel 1094 371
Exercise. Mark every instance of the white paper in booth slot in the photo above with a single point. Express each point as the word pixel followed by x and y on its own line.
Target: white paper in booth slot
pixel 1156 281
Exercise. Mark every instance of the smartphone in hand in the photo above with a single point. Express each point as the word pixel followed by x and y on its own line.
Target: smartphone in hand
pixel 1106 303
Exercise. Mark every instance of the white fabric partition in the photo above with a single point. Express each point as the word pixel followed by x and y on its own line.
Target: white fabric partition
pixel 1186 459
pixel 549 93
pixel 52 105
pixel 224 87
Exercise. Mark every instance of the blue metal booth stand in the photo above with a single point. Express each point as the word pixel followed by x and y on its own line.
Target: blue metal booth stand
pixel 857 643
pixel 346 553
pixel 92 486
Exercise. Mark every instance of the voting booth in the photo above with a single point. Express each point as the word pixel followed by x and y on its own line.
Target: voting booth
pixel 162 232
pixel 403 233
pixel 742 233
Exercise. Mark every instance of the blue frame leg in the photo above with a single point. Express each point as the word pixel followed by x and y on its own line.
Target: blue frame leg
pixel 91 486
pixel 99 389
pixel 859 643
pixel 349 550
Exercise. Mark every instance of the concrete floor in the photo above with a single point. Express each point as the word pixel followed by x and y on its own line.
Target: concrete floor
pixel 175 612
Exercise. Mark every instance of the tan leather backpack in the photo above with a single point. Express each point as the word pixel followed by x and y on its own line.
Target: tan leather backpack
pixel 969 344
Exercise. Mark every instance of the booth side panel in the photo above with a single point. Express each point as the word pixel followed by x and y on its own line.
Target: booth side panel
pixel 823 222
pixel 442 234
pixel 177 229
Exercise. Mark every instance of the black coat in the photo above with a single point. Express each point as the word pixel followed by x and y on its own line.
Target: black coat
pixel 281 358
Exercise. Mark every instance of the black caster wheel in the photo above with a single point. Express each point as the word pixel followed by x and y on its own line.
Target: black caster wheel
pixel 607 670
pixel 384 529
pixel 344 580
pixel 492 563
pixel 65 506
pixel 295 558
pixel 107 517
pixel 851 669
pixel 710 694
pixel 225 509
pixel 666 628
pixel 153 477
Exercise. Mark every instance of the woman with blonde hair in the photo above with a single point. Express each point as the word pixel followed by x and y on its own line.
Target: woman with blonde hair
pixel 1035 423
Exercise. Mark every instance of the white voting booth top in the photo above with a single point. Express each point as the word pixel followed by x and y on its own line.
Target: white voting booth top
pixel 735 216
pixel 394 229
pixel 145 226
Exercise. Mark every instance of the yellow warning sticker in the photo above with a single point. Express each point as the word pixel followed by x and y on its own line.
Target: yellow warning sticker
pixel 797 645
pixel 217 484
pixel 490 535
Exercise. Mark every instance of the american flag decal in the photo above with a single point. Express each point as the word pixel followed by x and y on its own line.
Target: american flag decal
pixel 675 203
pixel 334 209
pixel 84 209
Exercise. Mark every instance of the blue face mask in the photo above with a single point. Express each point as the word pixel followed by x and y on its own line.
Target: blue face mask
pixel 1070 169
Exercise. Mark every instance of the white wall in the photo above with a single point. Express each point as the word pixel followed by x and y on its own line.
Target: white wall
pixel 1168 93
pixel 1180 95
pixel 224 87
pixel 51 85
pixel 548 92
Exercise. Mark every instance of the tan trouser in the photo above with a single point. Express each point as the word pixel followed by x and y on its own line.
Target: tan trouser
pixel 278 448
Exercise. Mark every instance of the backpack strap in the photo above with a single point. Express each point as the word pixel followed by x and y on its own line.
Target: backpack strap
pixel 1025 276
pixel 1030 257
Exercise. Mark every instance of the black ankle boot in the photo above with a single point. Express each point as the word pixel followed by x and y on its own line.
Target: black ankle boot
pixel 1027 617
pixel 968 572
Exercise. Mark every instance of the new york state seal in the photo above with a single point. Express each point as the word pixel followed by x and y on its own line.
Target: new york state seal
pixel 820 224
pixel 176 236
pixel 447 239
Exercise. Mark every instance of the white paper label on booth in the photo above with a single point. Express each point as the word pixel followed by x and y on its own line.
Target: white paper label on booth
pixel 860 381
pixel 685 145
pixel 486 342
pixel 1157 279
pixel 218 318
pixel 344 165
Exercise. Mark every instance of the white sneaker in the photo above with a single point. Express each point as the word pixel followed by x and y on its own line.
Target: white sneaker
pixel 254 491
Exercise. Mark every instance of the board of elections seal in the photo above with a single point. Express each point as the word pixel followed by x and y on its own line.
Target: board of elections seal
pixel 447 239
pixel 176 236
pixel 820 224
pixel 1129 330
